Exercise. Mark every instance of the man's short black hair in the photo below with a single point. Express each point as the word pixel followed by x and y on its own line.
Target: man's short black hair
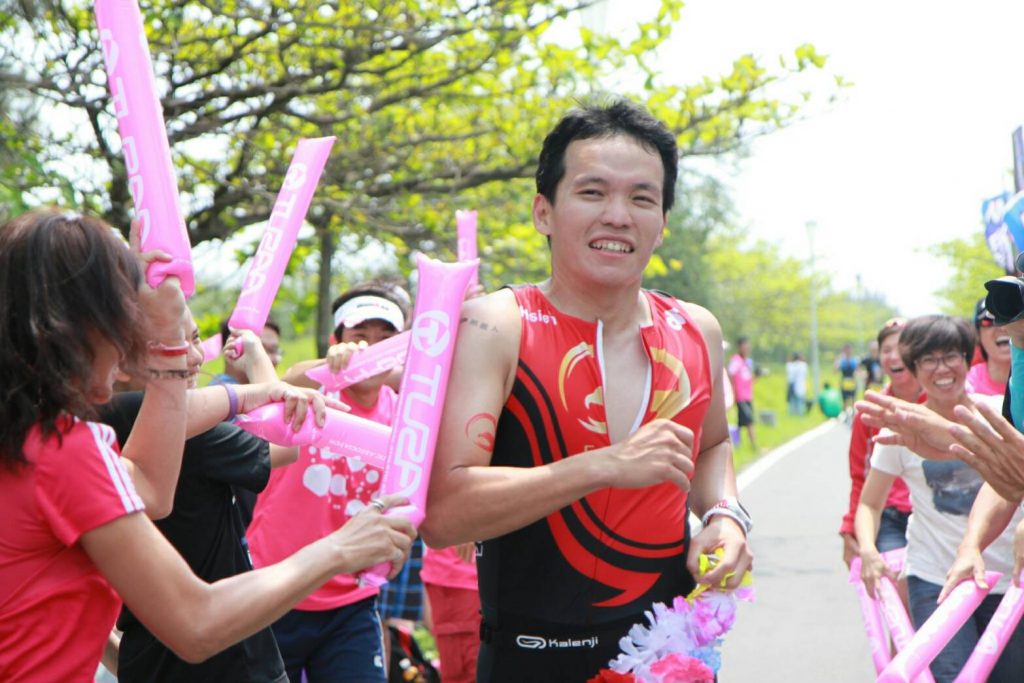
pixel 621 117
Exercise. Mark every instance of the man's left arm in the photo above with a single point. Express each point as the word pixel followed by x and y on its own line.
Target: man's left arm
pixel 714 480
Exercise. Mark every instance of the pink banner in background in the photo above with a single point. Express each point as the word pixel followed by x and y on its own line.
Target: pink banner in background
pixel 374 360
pixel 465 228
pixel 147 154
pixel 267 270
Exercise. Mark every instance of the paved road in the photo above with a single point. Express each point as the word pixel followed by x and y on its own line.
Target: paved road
pixel 805 625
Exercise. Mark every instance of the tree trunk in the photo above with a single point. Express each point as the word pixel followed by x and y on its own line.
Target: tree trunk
pixel 324 321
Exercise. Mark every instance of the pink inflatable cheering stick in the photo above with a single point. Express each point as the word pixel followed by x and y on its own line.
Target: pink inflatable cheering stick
pixel 940 628
pixel 424 385
pixel 872 614
pixel 268 266
pixel 993 640
pixel 465 228
pixel 212 347
pixel 365 363
pixel 342 434
pixel 147 154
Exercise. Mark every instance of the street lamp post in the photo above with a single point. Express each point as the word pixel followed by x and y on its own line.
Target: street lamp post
pixel 815 360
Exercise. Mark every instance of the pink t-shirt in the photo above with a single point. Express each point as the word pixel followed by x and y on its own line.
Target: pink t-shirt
pixel 742 378
pixel 311 498
pixel 979 382
pixel 444 568
pixel 56 609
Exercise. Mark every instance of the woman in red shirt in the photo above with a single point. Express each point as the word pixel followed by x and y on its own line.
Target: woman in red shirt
pixel 902 384
pixel 73 310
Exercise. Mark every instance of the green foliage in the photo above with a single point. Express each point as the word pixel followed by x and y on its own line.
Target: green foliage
pixel 435 105
pixel 968 264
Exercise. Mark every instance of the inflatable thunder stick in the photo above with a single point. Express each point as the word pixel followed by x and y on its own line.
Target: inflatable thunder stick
pixel 465 228
pixel 993 640
pixel 268 266
pixel 147 154
pixel 342 434
pixel 872 614
pixel 212 347
pixel 364 363
pixel 424 385
pixel 940 628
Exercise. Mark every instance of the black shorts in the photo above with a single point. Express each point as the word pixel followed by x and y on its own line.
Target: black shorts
pixel 744 413
pixel 527 653
pixel 848 385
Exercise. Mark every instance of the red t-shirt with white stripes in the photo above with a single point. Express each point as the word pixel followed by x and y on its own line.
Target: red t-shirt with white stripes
pixel 56 609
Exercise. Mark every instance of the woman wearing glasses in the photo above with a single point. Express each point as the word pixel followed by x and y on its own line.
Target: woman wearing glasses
pixel 936 350
pixel 892 530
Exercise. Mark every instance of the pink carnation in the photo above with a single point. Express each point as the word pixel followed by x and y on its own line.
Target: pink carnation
pixel 678 668
pixel 609 676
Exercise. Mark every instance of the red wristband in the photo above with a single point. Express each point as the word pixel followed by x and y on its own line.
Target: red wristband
pixel 158 349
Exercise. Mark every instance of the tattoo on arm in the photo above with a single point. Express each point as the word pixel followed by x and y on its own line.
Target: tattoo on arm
pixel 486 327
pixel 480 429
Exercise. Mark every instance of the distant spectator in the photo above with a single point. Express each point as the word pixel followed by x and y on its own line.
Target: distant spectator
pixel 871 366
pixel 846 364
pixel 796 384
pixel 742 374
pixel 990 375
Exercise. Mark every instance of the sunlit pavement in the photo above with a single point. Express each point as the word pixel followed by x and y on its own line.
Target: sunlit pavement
pixel 805 625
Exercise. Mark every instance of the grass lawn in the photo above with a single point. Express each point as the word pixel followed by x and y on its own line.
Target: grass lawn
pixel 770 396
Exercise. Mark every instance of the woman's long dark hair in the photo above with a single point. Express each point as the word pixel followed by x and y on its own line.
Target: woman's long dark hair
pixel 62 278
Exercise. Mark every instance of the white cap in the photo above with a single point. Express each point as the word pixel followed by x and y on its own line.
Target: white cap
pixel 368 307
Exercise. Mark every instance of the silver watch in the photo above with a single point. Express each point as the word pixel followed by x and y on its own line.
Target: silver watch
pixel 730 507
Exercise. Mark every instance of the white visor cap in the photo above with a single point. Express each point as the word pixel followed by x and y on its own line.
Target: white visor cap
pixel 362 308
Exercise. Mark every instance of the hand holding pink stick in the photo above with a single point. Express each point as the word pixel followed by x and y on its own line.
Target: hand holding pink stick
pixel 940 628
pixel 365 363
pixel 424 386
pixel 993 640
pixel 147 154
pixel 872 615
pixel 342 434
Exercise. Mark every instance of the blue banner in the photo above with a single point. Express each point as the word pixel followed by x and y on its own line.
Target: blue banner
pixel 997 233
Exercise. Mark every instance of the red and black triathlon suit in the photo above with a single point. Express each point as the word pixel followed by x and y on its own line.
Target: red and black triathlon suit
pixel 558 594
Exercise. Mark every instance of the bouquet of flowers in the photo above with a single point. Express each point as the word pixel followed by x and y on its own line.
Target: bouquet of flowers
pixel 680 643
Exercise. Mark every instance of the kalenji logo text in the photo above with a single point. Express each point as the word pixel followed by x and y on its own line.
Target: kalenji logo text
pixel 541 643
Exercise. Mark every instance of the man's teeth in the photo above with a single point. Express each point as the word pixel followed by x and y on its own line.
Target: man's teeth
pixel 943 382
pixel 607 245
pixel 1002 341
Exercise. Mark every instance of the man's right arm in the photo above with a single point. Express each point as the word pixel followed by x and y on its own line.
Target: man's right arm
pixel 471 500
